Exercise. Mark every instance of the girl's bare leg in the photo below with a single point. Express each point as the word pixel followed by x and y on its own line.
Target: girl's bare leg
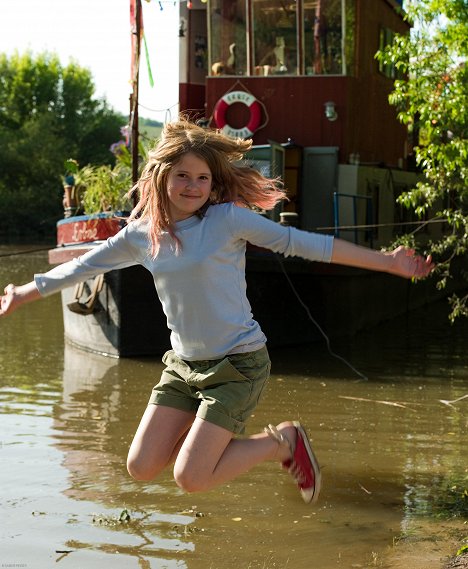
pixel 210 456
pixel 205 454
pixel 157 441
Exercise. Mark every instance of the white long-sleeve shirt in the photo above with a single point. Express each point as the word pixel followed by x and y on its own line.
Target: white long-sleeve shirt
pixel 202 287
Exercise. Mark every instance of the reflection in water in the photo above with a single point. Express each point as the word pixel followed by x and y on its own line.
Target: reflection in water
pixel 92 431
pixel 389 449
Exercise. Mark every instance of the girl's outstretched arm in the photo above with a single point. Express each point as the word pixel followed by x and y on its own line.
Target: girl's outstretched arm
pixel 402 261
pixel 14 296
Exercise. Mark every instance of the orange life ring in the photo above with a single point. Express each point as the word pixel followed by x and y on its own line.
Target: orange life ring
pixel 221 107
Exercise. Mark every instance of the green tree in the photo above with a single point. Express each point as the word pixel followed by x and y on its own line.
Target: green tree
pixel 48 113
pixel 431 95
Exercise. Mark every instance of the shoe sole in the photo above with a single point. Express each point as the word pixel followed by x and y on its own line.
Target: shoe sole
pixel 313 460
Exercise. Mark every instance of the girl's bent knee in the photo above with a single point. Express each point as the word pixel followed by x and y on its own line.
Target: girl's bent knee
pixel 139 472
pixel 189 483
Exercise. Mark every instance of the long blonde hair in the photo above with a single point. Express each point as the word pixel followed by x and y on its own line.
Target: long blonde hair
pixel 231 181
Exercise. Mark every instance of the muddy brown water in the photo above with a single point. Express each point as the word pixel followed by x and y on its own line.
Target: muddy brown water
pixel 390 449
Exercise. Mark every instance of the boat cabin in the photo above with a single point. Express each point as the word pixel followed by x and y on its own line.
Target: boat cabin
pixel 301 79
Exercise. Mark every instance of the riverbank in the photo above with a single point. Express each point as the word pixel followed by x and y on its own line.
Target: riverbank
pixel 459 562
pixel 427 545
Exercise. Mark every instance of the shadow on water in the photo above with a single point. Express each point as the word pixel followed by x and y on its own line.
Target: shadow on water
pixel 392 453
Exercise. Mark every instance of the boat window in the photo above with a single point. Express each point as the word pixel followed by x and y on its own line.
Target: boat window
pixel 324 24
pixel 275 37
pixel 323 43
pixel 228 37
pixel 386 37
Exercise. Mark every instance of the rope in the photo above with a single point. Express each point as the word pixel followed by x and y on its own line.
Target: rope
pixel 26 252
pixel 316 324
pixel 165 110
pixel 377 225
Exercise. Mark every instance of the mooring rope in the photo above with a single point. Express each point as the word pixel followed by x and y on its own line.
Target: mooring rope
pixel 25 252
pixel 377 225
pixel 316 324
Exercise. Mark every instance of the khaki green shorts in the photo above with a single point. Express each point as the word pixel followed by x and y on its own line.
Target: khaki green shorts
pixel 223 391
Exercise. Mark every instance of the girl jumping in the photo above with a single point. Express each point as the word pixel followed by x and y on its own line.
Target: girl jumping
pixel 189 228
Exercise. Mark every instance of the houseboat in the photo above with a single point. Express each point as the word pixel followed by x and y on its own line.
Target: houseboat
pixel 301 79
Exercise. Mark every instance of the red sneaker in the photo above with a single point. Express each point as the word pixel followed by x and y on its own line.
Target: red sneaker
pixel 304 466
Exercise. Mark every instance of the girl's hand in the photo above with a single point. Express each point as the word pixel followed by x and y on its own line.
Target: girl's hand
pixel 407 264
pixel 8 302
pixel 14 296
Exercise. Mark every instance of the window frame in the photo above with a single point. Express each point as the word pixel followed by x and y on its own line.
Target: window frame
pixel 346 66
